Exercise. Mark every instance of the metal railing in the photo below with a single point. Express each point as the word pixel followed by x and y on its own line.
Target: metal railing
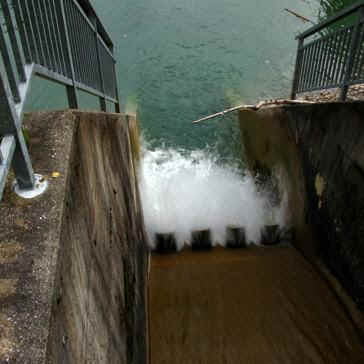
pixel 335 59
pixel 62 41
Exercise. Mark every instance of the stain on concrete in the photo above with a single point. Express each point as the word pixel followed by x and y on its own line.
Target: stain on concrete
pixel 9 252
pixel 320 185
pixel 7 287
pixel 7 338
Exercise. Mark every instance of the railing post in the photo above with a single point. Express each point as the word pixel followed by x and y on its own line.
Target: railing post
pixel 117 105
pixel 11 125
pixel 102 100
pixel 297 69
pixel 71 90
pixel 22 164
pixel 351 57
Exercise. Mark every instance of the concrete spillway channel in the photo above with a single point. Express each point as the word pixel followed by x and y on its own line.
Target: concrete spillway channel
pixel 249 305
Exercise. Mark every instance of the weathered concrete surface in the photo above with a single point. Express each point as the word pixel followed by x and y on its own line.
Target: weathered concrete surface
pixel 249 306
pixel 318 152
pixel 73 261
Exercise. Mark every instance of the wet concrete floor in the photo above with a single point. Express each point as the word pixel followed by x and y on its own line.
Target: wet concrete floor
pixel 253 306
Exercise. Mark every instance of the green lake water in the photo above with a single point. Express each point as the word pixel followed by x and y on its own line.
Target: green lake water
pixel 180 60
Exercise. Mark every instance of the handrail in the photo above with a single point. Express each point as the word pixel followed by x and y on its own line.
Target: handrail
pixel 333 60
pixel 89 10
pixel 332 19
pixel 61 40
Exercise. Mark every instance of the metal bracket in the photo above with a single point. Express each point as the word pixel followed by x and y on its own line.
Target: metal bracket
pixel 40 186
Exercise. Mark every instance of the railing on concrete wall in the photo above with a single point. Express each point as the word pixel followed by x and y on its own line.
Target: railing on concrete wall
pixel 335 59
pixel 62 41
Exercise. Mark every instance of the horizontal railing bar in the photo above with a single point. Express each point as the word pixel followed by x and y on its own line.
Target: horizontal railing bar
pixel 332 86
pixel 99 34
pixel 88 8
pixel 94 92
pixel 7 148
pixel 324 38
pixel 355 82
pixel 340 15
pixel 106 47
pixel 316 88
pixel 52 76
pixel 82 12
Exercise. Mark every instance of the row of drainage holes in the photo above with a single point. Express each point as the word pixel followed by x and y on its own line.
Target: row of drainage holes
pixel 235 238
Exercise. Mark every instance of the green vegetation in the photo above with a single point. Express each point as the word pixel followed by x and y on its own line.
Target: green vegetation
pixel 331 7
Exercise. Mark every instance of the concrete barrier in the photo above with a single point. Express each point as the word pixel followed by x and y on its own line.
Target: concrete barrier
pixel 78 252
pixel 314 154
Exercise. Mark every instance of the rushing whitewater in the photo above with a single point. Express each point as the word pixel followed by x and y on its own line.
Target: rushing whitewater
pixel 182 191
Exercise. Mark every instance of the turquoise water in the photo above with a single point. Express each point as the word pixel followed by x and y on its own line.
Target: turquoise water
pixel 181 60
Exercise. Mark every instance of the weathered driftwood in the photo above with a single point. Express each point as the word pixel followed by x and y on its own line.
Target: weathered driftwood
pixel 303 18
pixel 253 107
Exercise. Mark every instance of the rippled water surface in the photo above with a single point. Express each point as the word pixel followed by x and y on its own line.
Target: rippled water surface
pixel 179 60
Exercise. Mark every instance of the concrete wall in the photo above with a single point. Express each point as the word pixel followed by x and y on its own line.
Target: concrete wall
pixel 317 152
pixel 80 270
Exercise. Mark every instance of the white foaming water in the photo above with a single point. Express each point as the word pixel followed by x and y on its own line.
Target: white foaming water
pixel 183 191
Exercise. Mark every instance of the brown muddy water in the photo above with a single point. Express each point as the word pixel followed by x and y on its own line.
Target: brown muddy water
pixel 253 306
